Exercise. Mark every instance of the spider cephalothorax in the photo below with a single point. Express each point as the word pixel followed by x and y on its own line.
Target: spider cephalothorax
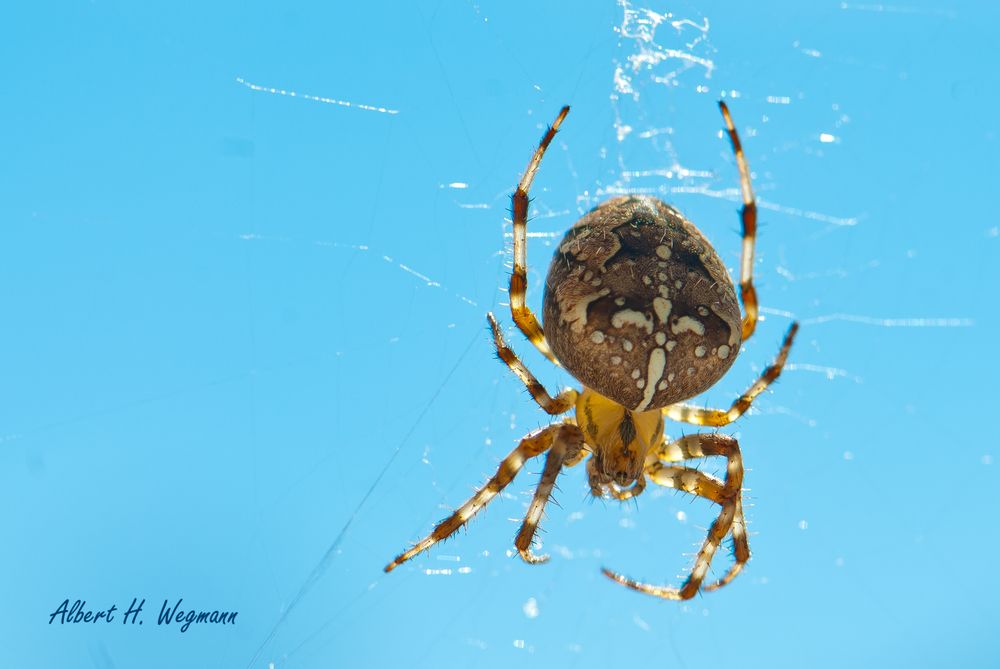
pixel 619 439
pixel 640 309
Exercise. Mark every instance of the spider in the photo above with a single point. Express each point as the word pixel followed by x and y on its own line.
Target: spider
pixel 640 309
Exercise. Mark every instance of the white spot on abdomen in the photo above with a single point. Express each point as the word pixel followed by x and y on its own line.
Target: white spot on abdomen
pixel 662 308
pixel 657 363
pixel 632 317
pixel 688 324
pixel 575 312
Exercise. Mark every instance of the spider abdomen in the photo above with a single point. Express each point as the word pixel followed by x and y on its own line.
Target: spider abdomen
pixel 639 306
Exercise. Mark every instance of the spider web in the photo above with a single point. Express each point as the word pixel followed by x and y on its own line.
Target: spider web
pixel 663 139
pixel 249 248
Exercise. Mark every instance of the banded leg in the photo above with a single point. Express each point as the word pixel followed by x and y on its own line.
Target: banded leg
pixel 566 450
pixel 749 216
pixel 523 316
pixel 561 403
pixel 687 479
pixel 690 448
pixel 741 549
pixel 725 493
pixel 719 417
pixel 529 447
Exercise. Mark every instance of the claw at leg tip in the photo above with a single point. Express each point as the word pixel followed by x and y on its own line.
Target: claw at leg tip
pixel 531 558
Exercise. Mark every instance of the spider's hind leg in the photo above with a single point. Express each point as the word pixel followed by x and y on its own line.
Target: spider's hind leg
pixel 748 215
pixel 523 316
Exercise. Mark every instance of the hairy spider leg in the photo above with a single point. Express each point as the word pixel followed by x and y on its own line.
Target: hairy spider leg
pixel 561 403
pixel 749 216
pixel 567 450
pixel 718 417
pixel 741 549
pixel 727 494
pixel 530 446
pixel 692 447
pixel 522 315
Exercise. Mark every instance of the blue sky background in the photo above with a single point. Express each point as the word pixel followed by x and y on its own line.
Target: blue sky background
pixel 244 357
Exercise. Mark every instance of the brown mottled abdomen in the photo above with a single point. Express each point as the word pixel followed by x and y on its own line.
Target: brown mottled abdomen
pixel 638 305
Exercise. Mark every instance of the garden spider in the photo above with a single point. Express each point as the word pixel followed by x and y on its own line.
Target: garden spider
pixel 640 309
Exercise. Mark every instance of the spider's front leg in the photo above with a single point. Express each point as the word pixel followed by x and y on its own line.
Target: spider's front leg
pixel 563 441
pixel 567 445
pixel 566 451
pixel 727 494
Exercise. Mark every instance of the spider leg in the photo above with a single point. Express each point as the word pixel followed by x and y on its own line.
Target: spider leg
pixel 726 494
pixel 704 485
pixel 741 549
pixel 718 417
pixel 530 446
pixel 566 450
pixel 523 316
pixel 561 403
pixel 749 217
pixel 687 479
